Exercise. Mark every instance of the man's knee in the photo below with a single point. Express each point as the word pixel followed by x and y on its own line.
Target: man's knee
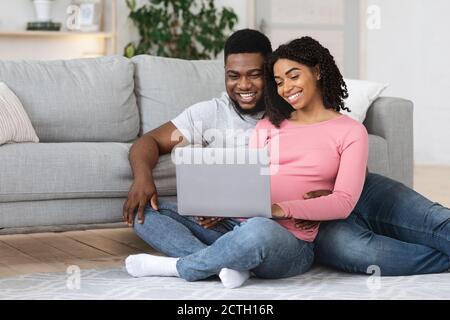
pixel 149 213
pixel 167 205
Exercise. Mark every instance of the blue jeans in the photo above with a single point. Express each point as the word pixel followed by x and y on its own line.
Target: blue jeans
pixel 392 227
pixel 260 245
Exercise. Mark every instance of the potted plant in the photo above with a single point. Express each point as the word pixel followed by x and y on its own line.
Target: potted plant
pixel 186 29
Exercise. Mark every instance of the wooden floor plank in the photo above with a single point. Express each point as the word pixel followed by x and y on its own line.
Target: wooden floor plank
pixel 35 248
pixel 433 182
pixel 6 271
pixel 101 243
pixel 126 236
pixel 23 263
pixel 6 250
pixel 75 248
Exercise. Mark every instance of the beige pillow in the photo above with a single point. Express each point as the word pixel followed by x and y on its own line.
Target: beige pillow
pixel 15 126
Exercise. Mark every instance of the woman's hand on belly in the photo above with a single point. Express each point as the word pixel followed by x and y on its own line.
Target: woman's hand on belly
pixel 277 212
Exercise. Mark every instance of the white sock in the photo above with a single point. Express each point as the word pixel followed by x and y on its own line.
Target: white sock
pixel 142 265
pixel 232 279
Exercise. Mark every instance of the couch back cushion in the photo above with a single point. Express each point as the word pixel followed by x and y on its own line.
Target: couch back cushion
pixel 167 86
pixel 81 100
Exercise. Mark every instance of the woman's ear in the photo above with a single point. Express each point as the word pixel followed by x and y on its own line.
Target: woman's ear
pixel 317 71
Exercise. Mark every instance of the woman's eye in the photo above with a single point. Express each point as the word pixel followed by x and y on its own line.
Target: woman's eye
pixel 295 77
pixel 279 84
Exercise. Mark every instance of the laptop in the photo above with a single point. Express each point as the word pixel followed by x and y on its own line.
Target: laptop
pixel 223 182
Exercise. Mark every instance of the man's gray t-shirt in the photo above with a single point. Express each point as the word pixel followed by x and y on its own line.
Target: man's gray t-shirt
pixel 216 124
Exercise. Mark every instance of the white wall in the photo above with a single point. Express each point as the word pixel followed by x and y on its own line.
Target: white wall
pixel 15 14
pixel 411 51
pixel 240 8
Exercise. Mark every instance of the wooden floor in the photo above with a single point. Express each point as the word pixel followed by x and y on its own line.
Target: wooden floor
pixel 54 252
pixel 433 182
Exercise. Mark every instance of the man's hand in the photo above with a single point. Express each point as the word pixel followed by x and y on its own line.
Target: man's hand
pixel 317 194
pixel 305 224
pixel 142 191
pixel 208 222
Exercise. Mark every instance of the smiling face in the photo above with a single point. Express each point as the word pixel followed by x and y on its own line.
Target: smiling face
pixel 244 79
pixel 297 83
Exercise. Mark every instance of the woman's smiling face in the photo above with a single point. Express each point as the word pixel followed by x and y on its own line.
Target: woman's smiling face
pixel 296 83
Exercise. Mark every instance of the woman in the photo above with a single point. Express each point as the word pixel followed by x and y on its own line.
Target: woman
pixel 319 148
pixel 312 147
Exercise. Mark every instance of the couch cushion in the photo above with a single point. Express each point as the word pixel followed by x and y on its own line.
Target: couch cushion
pixel 48 171
pixel 60 215
pixel 167 86
pixel 90 100
pixel 378 155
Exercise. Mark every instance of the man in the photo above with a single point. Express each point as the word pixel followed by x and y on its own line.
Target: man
pixel 392 227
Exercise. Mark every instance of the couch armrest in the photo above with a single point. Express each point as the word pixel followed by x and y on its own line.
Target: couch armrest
pixel 392 119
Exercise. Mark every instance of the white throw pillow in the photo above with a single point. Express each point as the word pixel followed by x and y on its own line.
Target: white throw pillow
pixel 15 126
pixel 361 94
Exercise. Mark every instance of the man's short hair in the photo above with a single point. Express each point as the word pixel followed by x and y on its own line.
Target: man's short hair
pixel 247 41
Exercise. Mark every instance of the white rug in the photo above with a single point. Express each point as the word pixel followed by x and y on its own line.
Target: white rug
pixel 319 283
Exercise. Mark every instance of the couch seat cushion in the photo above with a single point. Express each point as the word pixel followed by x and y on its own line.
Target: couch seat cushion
pixel 48 171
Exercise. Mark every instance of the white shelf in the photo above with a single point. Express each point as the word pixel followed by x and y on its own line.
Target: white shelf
pixel 108 38
pixel 55 34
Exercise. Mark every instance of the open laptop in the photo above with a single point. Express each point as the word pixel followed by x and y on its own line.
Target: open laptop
pixel 223 182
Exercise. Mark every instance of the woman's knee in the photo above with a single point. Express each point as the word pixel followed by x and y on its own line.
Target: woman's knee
pixel 261 230
pixel 292 263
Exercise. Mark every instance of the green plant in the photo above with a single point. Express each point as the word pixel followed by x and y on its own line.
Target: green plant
pixel 186 29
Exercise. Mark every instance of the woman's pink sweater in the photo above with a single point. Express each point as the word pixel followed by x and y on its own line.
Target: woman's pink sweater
pixel 330 155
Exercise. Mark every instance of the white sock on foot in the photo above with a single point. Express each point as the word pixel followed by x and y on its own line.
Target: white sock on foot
pixel 232 279
pixel 142 265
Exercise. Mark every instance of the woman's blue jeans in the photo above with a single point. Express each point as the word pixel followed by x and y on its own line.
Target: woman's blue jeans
pixel 259 245
pixel 392 227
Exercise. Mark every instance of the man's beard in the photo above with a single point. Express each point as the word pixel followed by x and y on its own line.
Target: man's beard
pixel 260 106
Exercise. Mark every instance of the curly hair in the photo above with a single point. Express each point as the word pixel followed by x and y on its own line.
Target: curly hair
pixel 311 53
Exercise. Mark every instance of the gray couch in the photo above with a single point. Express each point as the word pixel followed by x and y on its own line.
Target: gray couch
pixel 88 112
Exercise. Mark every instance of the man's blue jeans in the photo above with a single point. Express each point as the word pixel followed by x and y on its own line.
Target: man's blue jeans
pixel 260 245
pixel 392 227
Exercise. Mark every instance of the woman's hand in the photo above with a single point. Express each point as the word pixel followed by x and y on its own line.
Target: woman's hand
pixel 277 212
pixel 208 222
